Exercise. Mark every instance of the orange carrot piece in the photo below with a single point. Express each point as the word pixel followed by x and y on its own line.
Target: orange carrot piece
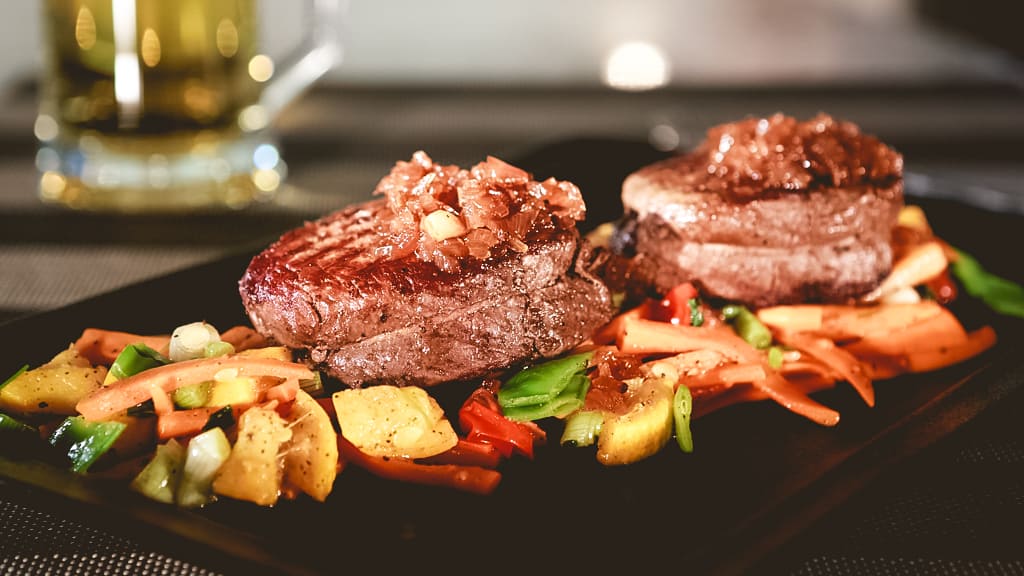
pixel 243 338
pixel 284 392
pixel 123 394
pixel 841 323
pixel 940 330
pixel 804 367
pixel 474 479
pixel 178 423
pixel 793 398
pixel 729 374
pixel 841 361
pixel 688 364
pixel 612 331
pixel 101 346
pixel 706 403
pixel 934 358
pixel 641 336
pixel 793 318
pixel 162 403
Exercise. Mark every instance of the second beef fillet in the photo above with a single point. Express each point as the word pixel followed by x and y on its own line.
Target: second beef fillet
pixel 766 211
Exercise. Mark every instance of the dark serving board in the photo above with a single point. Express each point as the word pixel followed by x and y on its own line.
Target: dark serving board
pixel 758 476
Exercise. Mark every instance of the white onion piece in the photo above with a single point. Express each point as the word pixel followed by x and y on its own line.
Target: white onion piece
pixel 189 341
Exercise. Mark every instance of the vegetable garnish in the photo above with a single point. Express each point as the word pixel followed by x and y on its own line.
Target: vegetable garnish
pixel 481 420
pixel 83 442
pixel 1000 294
pixel 748 326
pixel 133 359
pixel 682 407
pixel 228 415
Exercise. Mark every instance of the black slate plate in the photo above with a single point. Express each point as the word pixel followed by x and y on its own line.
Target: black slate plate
pixel 759 474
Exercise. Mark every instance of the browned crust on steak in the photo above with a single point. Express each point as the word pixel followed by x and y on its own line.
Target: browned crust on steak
pixel 329 290
pixel 821 235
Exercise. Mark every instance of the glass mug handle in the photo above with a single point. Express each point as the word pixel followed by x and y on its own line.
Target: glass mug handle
pixel 310 60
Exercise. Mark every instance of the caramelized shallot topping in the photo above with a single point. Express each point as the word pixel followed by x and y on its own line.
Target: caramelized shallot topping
pixel 445 214
pixel 759 157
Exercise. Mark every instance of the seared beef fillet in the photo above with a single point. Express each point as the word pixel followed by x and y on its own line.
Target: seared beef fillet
pixel 332 289
pixel 767 211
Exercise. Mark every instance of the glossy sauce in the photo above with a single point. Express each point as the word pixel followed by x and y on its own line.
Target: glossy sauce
pixel 763 157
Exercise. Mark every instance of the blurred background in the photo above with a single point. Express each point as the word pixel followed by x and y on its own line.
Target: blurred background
pixel 695 43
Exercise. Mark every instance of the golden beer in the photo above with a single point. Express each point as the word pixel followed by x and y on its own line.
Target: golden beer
pixel 144 105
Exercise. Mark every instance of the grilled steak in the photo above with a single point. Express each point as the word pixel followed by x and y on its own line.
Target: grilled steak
pixel 767 211
pixel 336 290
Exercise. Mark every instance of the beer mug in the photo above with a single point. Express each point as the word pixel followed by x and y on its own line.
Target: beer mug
pixel 166 105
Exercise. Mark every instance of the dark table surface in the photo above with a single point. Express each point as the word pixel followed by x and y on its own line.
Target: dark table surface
pixel 956 507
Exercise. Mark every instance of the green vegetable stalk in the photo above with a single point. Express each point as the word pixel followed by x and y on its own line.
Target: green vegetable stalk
pixel 542 383
pixel 159 479
pixel 582 428
pixel 748 326
pixel 999 294
pixel 83 441
pixel 136 358
pixel 682 408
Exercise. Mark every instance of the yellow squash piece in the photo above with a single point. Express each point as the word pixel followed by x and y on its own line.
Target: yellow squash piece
pixel 233 391
pixel 253 471
pixel 641 431
pixel 281 353
pixel 393 421
pixel 311 456
pixel 54 387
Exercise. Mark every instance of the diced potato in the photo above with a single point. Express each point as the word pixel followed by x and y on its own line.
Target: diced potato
pixel 253 471
pixel 311 456
pixel 53 388
pixel 393 421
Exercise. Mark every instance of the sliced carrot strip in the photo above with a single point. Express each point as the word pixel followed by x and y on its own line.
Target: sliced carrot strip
pixel 162 403
pixel 641 336
pixel 101 346
pixel 123 394
pixel 178 423
pixel 612 331
pixel 284 392
pixel 688 364
pixel 935 358
pixel 793 398
pixel 729 375
pixel 795 318
pixel 841 323
pixel 940 330
pixel 841 361
pixel 243 338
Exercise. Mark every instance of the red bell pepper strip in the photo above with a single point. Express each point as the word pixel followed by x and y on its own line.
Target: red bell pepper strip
pixel 467 453
pixel 481 420
pixel 675 306
pixel 472 479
